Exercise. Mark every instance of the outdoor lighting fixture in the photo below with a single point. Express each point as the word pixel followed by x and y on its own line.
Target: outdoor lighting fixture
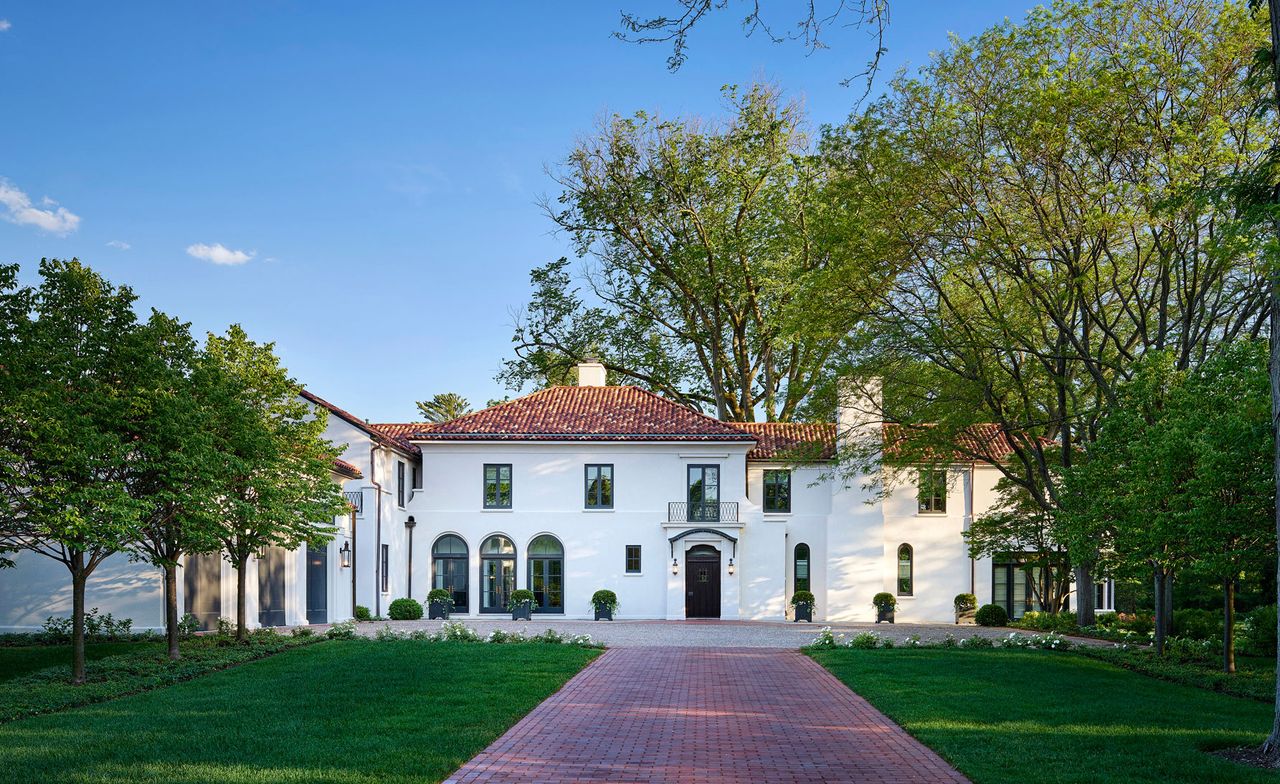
pixel 345 552
pixel 675 566
pixel 410 523
pixel 731 567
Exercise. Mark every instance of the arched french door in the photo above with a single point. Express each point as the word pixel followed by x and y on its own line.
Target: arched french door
pixel 497 573
pixel 449 569
pixel 702 582
pixel 546 574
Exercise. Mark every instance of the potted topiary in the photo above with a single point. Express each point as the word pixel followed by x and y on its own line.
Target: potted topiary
pixel 884 603
pixel 404 610
pixel 966 604
pixel 605 603
pixel 521 605
pixel 439 604
pixel 802 604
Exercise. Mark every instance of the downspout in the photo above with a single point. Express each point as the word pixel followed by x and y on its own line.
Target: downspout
pixel 968 521
pixel 377 545
pixel 409 526
pixel 354 562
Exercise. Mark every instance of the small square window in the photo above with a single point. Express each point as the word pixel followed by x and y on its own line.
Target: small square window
pixel 599 487
pixel 933 491
pixel 497 486
pixel 777 490
pixel 633 559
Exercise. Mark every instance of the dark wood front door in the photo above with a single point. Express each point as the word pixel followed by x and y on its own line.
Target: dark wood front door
pixel 317 584
pixel 702 582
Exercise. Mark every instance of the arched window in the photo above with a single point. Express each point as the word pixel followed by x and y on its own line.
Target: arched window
pixel 497 573
pixel 546 574
pixel 800 571
pixel 906 569
pixel 449 569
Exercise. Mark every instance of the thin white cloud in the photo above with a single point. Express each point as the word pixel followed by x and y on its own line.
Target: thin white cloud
pixel 119 245
pixel 5 24
pixel 218 253
pixel 16 207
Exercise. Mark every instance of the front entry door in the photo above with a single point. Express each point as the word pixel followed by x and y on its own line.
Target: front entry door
pixel 271 587
pixel 702 582
pixel 317 584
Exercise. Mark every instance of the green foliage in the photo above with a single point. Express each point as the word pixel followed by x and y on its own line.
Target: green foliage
pixel 342 630
pixel 802 597
pixel 188 625
pixel 440 596
pixel 1254 679
pixel 1260 631
pixel 1196 624
pixel 404 610
pixel 884 601
pixel 1064 622
pixel 965 602
pixel 520 597
pixel 97 628
pixel 443 407
pixel 991 615
pixel 362 613
pixel 605 599
pixel 865 640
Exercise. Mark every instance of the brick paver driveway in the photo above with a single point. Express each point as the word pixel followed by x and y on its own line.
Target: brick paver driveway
pixel 706 715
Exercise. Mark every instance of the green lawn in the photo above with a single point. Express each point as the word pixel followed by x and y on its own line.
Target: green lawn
pixel 1044 717
pixel 20 660
pixel 344 711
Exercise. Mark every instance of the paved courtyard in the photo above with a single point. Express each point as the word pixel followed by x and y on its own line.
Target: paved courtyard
pixel 706 715
pixel 698 634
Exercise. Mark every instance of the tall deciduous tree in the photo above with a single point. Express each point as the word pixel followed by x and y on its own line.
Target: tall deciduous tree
pixel 276 487
pixel 444 406
pixel 69 374
pixel 1043 183
pixel 707 253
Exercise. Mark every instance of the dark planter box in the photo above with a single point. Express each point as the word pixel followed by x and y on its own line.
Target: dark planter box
pixel 966 617
pixel 604 614
pixel 439 611
pixel 804 612
pixel 522 613
pixel 884 615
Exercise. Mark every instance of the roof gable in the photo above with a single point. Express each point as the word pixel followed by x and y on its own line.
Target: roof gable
pixel 619 413
pixel 373 431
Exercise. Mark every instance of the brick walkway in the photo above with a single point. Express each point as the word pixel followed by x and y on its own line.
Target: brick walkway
pixel 706 715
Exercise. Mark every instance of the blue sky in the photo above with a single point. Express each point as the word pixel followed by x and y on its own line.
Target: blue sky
pixel 378 164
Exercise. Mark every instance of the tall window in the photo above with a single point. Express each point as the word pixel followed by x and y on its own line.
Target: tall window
pixel 599 487
pixel 400 483
pixel 933 490
pixel 777 490
pixel 497 573
pixel 449 568
pixel 546 574
pixel 417 477
pixel 633 559
pixel 386 566
pixel 800 570
pixel 906 569
pixel 704 494
pixel 497 485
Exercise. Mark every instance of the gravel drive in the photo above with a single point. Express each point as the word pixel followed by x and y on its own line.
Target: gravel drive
pixel 703 634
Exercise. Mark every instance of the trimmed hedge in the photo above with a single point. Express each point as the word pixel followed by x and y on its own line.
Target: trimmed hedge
pixel 991 615
pixel 404 610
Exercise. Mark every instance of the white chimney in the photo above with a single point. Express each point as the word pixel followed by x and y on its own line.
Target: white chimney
pixel 860 412
pixel 591 374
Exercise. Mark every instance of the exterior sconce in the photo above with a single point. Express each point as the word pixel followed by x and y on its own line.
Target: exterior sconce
pixel 675 566
pixel 410 523
pixel 345 554
pixel 732 568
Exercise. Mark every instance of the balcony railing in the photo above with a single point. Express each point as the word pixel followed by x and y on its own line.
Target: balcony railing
pixel 356 499
pixel 702 512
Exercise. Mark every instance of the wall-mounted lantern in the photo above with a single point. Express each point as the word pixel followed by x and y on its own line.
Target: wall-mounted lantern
pixel 732 568
pixel 345 555
pixel 675 566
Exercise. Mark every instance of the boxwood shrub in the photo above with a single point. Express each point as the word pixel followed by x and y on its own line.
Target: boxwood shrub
pixel 404 610
pixel 991 615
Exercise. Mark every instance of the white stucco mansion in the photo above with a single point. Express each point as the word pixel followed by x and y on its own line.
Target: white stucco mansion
pixel 573 489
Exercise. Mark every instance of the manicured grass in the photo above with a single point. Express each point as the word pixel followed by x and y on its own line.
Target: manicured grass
pixel 1254 677
pixel 20 660
pixel 1046 717
pixel 341 711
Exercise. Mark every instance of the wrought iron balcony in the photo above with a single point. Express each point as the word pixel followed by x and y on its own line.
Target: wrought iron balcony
pixel 356 499
pixel 702 512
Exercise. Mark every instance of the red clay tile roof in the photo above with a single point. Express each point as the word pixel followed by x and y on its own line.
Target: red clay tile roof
pixel 797 440
pixel 984 440
pixel 400 444
pixel 400 430
pixel 585 414
pixel 346 469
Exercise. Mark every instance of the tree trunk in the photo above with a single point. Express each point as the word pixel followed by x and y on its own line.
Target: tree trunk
pixel 78 578
pixel 171 610
pixel 1228 625
pixel 1168 603
pixel 1084 596
pixel 242 631
pixel 1159 597
pixel 1271 747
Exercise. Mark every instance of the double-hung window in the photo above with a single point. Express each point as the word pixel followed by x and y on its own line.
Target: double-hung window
pixel 400 483
pixel 933 491
pixel 777 490
pixel 497 485
pixel 633 559
pixel 599 487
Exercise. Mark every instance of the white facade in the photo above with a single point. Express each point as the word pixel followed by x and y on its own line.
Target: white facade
pixel 853 536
